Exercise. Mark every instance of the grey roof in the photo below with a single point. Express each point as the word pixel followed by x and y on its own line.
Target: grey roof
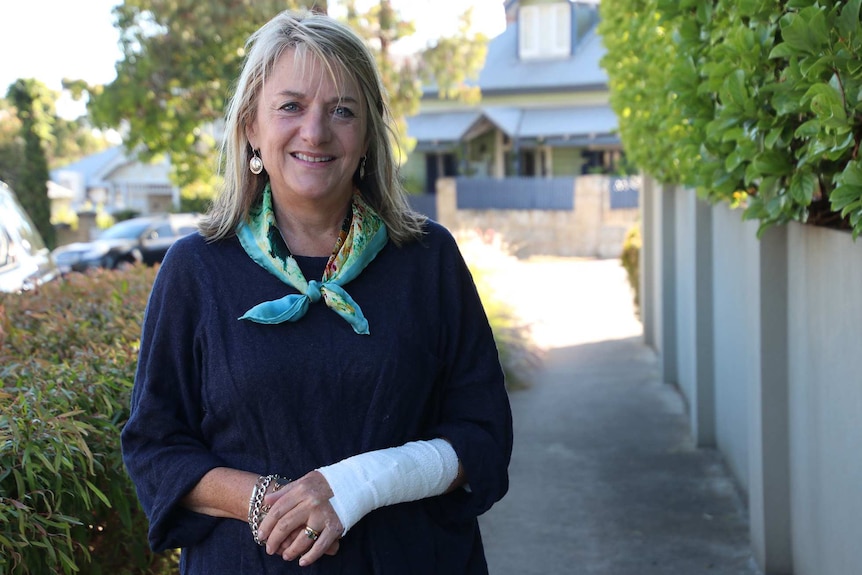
pixel 506 119
pixel 575 123
pixel 504 71
pixel 92 167
pixel 441 126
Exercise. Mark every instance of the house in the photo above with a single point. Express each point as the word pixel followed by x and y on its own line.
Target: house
pixel 116 180
pixel 544 110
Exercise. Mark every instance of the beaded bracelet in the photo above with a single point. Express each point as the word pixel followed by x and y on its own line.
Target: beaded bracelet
pixel 256 509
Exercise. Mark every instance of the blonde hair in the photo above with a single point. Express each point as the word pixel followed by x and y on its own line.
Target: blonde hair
pixel 344 55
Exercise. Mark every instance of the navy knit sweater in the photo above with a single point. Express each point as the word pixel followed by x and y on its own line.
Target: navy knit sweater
pixel 214 391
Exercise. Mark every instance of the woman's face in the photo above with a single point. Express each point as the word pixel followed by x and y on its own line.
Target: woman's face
pixel 310 132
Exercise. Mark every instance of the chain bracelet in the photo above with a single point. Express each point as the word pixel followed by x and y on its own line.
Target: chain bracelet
pixel 256 509
pixel 255 505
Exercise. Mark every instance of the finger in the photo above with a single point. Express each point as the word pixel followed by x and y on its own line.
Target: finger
pixel 333 549
pixel 320 547
pixel 280 523
pixel 303 541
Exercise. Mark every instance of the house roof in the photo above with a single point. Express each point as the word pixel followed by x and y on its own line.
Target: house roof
pixel 563 122
pixel 441 126
pixel 559 123
pixel 505 72
pixel 94 163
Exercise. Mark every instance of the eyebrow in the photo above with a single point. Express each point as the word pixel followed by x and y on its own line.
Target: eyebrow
pixel 301 96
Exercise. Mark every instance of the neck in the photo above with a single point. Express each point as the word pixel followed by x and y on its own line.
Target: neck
pixel 310 233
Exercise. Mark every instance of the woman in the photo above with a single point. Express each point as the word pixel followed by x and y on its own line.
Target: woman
pixel 317 330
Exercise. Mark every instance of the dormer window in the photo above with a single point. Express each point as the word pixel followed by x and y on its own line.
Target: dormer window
pixel 545 31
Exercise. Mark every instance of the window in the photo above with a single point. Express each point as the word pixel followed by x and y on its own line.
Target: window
pixel 545 30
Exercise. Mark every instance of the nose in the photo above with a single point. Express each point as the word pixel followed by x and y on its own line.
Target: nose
pixel 316 128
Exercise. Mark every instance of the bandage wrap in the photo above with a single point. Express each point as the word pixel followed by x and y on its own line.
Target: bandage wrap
pixel 368 481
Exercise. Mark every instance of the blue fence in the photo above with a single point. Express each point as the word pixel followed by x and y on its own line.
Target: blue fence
pixel 625 193
pixel 425 204
pixel 516 193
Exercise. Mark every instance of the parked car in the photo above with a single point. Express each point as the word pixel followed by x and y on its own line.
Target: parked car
pixel 145 240
pixel 25 262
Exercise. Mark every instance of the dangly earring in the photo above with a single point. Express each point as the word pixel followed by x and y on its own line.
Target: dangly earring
pixel 255 164
pixel 362 167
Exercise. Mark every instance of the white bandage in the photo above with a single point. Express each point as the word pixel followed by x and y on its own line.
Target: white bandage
pixel 413 471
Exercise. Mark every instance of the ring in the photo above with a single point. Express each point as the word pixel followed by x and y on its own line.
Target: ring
pixel 311 533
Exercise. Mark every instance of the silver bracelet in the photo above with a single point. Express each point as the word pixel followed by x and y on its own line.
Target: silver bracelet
pixel 256 509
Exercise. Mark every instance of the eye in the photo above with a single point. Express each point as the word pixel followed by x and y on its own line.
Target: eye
pixel 290 107
pixel 343 112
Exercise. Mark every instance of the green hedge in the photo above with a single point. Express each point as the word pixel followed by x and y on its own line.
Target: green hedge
pixel 754 102
pixel 67 361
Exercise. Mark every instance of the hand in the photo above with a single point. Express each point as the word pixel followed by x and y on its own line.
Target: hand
pixel 300 504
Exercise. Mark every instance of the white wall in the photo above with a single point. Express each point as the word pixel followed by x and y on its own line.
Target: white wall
pixel 784 359
pixel 686 316
pixel 736 258
pixel 825 360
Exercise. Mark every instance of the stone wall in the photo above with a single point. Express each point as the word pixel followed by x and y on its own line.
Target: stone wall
pixel 592 229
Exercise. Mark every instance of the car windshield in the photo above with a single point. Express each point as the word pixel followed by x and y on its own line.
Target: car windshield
pixel 13 217
pixel 128 230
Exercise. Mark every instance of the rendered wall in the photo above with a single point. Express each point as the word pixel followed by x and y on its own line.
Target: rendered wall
pixel 785 312
pixel 737 333
pixel 686 315
pixel 825 366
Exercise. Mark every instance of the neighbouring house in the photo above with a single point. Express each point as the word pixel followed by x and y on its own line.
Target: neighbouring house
pixel 544 110
pixel 117 181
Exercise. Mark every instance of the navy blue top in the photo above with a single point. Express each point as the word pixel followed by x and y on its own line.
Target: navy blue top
pixel 213 391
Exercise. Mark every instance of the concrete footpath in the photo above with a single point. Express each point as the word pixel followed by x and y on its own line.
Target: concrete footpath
pixel 604 476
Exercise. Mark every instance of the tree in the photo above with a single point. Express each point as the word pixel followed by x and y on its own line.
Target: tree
pixel 181 56
pixel 11 144
pixel 451 62
pixel 757 103
pixel 179 59
pixel 35 110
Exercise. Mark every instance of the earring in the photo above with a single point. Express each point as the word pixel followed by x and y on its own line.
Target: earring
pixel 362 167
pixel 255 164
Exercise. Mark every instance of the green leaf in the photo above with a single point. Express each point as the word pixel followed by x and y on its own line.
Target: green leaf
pixel 785 50
pixel 826 102
pixel 808 129
pixel 805 32
pixel 852 174
pixel 802 187
pixel 848 22
pixel 734 90
pixel 98 493
pixel 843 196
pixel 772 163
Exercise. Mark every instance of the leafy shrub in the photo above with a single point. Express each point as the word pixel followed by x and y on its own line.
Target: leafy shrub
pixel 630 260
pixel 486 254
pixel 67 358
pixel 753 102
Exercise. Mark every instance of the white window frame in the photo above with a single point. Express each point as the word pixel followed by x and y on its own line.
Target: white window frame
pixel 545 31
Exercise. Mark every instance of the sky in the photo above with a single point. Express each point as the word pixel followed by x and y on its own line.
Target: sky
pixel 54 39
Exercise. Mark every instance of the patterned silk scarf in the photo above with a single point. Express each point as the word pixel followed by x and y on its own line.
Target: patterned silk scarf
pixel 361 239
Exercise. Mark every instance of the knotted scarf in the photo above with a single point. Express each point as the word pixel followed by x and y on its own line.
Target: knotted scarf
pixel 360 241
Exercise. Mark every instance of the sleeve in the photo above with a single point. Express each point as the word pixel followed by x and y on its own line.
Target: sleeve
pixel 164 450
pixel 474 411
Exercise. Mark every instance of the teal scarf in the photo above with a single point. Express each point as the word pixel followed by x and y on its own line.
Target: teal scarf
pixel 360 241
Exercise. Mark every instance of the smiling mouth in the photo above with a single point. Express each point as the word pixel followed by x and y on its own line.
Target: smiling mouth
pixel 313 159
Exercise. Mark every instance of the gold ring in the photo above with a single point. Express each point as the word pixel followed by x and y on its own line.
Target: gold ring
pixel 311 533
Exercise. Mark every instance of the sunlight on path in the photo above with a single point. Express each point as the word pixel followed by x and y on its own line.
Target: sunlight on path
pixel 569 301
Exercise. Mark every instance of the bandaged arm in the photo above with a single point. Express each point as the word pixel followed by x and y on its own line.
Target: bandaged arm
pixel 368 481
